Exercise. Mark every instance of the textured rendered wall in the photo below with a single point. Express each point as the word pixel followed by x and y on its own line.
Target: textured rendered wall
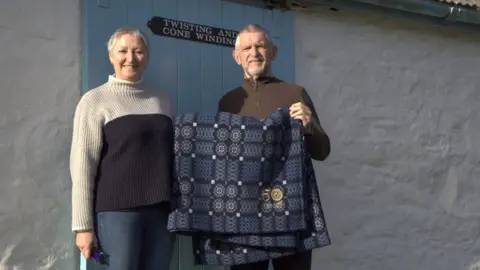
pixel 39 88
pixel 401 102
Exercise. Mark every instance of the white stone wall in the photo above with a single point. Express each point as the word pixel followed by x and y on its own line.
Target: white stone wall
pixel 39 88
pixel 401 103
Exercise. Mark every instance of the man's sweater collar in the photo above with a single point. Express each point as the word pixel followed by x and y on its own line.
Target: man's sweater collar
pixel 249 83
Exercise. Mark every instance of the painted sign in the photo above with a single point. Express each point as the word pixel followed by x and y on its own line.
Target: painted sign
pixel 194 32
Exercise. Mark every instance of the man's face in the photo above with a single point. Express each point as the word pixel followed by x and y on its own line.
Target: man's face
pixel 254 53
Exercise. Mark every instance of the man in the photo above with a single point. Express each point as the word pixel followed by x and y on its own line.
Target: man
pixel 259 96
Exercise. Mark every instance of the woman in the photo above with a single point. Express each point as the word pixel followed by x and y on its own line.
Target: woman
pixel 120 163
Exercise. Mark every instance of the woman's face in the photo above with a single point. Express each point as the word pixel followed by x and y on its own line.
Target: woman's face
pixel 129 57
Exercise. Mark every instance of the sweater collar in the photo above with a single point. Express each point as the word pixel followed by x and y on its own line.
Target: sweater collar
pixel 249 83
pixel 120 84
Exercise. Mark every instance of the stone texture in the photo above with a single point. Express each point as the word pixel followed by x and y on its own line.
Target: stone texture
pixel 401 103
pixel 39 88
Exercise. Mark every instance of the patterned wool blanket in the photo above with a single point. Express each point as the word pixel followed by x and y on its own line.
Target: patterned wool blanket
pixel 244 189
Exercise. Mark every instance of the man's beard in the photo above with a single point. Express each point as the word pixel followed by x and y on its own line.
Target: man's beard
pixel 257 71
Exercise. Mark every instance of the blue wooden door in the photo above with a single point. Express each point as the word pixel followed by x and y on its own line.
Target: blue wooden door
pixel 195 74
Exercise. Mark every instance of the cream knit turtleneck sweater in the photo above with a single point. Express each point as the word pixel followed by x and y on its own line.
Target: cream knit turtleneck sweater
pixel 121 152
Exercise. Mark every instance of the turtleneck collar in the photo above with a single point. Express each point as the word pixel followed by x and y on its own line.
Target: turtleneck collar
pixel 249 83
pixel 120 84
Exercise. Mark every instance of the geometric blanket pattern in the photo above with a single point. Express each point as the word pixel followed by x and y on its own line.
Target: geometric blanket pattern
pixel 244 189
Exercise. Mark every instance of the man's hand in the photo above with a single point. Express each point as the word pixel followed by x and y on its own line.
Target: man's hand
pixel 301 112
pixel 86 241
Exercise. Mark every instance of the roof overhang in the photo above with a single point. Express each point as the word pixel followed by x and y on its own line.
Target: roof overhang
pixel 456 11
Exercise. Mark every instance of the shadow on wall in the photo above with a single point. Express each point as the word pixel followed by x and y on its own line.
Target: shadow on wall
pixel 400 21
pixel 475 266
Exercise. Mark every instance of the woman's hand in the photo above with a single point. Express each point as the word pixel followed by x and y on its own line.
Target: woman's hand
pixel 86 242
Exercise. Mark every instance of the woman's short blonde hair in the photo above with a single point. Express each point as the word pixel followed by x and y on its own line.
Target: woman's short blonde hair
pixel 123 31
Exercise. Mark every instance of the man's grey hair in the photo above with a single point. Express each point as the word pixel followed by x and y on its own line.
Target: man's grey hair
pixel 253 28
pixel 123 31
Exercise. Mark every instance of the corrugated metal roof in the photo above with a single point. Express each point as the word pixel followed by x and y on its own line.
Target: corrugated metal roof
pixel 470 3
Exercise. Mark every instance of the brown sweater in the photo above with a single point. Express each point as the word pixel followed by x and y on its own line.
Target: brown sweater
pixel 260 98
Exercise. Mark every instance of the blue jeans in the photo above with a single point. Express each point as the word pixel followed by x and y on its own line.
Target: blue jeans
pixel 137 239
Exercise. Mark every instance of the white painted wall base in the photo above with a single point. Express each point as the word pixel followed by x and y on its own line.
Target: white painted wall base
pixel 401 103
pixel 39 88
